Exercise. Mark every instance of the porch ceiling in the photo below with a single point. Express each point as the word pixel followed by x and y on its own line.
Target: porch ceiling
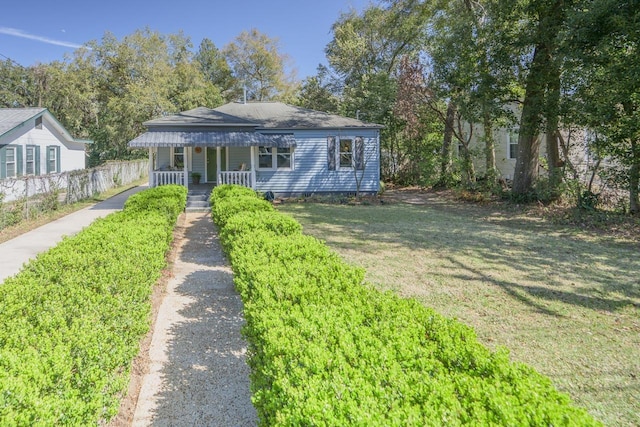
pixel 211 139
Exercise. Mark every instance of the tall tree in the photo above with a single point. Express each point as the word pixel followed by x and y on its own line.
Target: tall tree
pixel 259 66
pixel 539 108
pixel 217 70
pixel 603 46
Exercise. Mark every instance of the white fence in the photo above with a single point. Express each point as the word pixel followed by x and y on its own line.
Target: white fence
pixel 244 178
pixel 75 185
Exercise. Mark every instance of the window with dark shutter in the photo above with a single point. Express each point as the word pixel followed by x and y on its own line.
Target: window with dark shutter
pixel 359 153
pixel 331 152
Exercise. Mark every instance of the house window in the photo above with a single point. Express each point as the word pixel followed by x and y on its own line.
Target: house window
pixel 178 157
pixel 265 158
pixel 512 143
pixel 39 122
pixel 10 161
pixel 30 160
pixel 275 157
pixel 346 153
pixel 52 160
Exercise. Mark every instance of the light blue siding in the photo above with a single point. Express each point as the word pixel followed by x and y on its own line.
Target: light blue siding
pixel 311 173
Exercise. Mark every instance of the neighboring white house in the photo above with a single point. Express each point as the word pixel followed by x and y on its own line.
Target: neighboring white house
pixel 33 142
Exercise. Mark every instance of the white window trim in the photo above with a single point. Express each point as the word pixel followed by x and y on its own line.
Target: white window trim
pixel 14 162
pixel 186 152
pixel 274 159
pixel 52 156
pixel 26 160
pixel 510 155
pixel 339 152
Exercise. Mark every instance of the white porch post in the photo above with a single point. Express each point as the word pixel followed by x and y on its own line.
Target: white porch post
pixel 218 163
pixel 150 167
pixel 186 167
pixel 253 167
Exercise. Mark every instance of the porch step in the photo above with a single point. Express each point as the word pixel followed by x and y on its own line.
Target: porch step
pixel 198 200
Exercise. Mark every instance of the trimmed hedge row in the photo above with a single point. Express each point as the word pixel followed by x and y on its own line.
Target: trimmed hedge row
pixel 327 349
pixel 73 318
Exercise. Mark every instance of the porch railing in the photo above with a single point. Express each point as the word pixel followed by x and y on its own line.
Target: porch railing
pixel 244 178
pixel 167 177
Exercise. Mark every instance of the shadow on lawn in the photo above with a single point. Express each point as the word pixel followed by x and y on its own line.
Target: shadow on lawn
pixel 602 273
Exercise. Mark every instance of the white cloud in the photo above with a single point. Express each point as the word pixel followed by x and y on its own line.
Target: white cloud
pixel 19 33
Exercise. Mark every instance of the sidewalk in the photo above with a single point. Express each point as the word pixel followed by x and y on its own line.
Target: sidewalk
pixel 197 372
pixel 16 252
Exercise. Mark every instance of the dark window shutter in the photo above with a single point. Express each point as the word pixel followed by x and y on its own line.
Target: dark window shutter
pixel 58 159
pixel 359 153
pixel 3 162
pixel 331 152
pixel 37 160
pixel 48 158
pixel 19 160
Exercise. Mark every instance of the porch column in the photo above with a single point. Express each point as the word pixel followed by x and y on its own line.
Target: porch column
pixel 186 168
pixel 150 167
pixel 253 166
pixel 218 164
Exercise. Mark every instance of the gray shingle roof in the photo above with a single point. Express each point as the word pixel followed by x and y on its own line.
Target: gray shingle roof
pixel 277 115
pixel 211 139
pixel 10 118
pixel 200 116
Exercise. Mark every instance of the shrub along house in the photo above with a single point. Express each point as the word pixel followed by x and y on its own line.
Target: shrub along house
pixel 267 146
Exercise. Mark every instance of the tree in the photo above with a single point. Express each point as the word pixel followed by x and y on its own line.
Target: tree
pixel 603 45
pixel 258 65
pixel 217 71
pixel 319 92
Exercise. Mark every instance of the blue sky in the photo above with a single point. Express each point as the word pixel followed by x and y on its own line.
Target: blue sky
pixel 43 31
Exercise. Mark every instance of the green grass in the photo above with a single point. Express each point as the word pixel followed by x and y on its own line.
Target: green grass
pixel 564 301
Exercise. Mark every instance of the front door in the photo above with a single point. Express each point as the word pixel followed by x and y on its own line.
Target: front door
pixel 212 174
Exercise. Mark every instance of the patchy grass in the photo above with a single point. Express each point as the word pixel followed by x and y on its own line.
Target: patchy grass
pixel 561 299
pixel 24 226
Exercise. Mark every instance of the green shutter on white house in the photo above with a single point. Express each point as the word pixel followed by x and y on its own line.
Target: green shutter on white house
pixel 37 160
pixel 3 162
pixel 19 160
pixel 58 159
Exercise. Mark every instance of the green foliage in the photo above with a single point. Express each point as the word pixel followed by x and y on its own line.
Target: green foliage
pixel 225 208
pixel 73 318
pixel 327 349
pixel 169 200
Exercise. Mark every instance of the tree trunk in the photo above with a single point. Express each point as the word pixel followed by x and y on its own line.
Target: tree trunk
pixel 541 79
pixel 634 178
pixel 489 151
pixel 552 114
pixel 526 171
pixel 446 161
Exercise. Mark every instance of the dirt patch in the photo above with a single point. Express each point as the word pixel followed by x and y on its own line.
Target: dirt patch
pixel 140 365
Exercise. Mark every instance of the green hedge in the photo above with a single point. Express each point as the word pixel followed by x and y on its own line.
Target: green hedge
pixel 327 349
pixel 73 318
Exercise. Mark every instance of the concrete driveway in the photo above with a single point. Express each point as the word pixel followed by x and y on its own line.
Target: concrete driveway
pixel 16 252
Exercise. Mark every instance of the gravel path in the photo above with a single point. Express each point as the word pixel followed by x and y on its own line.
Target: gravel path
pixel 197 373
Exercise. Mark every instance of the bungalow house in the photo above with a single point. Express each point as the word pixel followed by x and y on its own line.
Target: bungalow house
pixel 268 146
pixel 33 142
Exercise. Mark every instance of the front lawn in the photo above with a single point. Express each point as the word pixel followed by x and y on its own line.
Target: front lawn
pixel 562 300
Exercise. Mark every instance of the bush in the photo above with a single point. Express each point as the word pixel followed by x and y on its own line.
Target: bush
pixel 327 349
pixel 169 200
pixel 224 208
pixel 229 191
pixel 73 318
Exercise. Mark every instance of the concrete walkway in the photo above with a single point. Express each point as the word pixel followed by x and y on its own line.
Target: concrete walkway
pixel 16 252
pixel 197 373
